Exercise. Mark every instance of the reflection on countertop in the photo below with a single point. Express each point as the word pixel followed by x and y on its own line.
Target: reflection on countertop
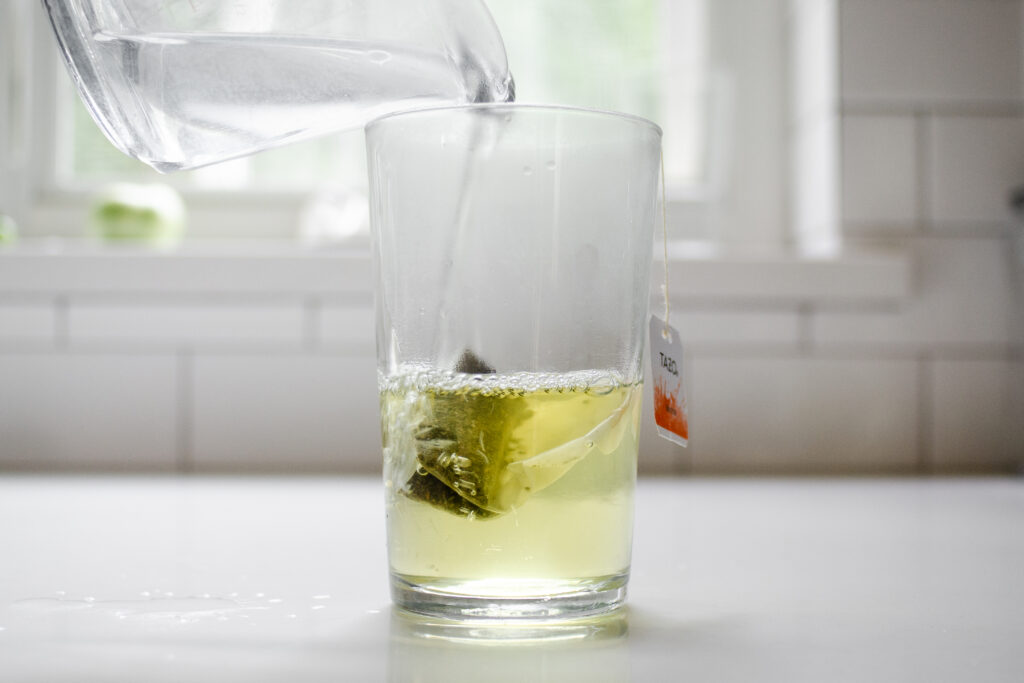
pixel 271 579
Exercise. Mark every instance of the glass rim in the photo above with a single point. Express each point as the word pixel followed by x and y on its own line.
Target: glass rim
pixel 634 118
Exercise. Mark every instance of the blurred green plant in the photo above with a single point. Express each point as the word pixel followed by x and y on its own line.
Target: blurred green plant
pixel 8 230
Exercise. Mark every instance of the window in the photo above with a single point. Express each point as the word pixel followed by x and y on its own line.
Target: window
pixel 683 63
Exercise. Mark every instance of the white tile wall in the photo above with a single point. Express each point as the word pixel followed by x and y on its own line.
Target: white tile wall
pixel 27 322
pixel 284 412
pixel 977 415
pixel 796 364
pixel 962 297
pixel 749 328
pixel 237 324
pixel 911 51
pixel 347 324
pixel 256 269
pixel 978 160
pixel 777 277
pixel 879 172
pixel 88 411
pixel 772 414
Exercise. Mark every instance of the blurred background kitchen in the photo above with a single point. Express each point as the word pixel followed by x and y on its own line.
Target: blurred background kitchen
pixel 845 261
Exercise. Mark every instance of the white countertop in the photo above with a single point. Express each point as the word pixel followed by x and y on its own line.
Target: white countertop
pixel 133 579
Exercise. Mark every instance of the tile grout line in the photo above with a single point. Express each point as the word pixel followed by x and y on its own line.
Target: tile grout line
pixel 923 171
pixel 185 459
pixel 805 331
pixel 966 108
pixel 61 326
pixel 925 418
pixel 312 311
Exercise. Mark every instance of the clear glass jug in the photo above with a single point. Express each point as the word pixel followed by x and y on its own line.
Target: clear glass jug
pixel 180 84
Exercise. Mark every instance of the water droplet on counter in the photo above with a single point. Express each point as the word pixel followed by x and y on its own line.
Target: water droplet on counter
pixel 378 56
pixel 319 607
pixel 324 596
pixel 550 165
pixel 178 610
pixel 527 170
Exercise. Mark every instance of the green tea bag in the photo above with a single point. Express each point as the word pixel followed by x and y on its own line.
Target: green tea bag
pixel 461 464
pixel 426 487
pixel 523 478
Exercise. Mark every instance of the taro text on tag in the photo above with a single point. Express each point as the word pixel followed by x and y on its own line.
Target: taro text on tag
pixel 667 373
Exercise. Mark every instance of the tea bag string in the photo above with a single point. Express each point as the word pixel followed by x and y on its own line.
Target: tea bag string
pixel 666 330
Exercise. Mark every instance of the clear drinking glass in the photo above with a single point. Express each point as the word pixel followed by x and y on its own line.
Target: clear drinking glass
pixel 512 247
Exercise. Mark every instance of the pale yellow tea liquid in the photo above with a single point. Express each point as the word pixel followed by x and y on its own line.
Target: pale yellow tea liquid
pixel 509 485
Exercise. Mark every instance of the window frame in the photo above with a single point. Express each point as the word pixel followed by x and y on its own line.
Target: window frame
pixel 55 208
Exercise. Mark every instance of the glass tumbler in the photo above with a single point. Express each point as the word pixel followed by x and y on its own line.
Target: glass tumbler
pixel 512 249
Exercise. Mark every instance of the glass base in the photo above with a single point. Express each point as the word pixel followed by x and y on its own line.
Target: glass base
pixel 508 599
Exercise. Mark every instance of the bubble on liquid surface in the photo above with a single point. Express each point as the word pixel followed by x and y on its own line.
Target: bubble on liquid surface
pixel 422 379
pixel 378 56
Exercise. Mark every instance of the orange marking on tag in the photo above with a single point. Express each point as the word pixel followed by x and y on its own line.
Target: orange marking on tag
pixel 668 413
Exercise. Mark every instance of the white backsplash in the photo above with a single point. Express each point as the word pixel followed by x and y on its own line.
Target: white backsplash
pixel 250 365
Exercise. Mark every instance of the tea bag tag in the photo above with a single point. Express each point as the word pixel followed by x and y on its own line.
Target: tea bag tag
pixel 667 376
pixel 667 358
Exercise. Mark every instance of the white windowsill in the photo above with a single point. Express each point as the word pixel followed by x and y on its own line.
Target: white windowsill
pixel 48 267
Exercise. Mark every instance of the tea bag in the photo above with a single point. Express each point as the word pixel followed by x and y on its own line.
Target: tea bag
pixel 523 478
pixel 459 465
pixel 469 461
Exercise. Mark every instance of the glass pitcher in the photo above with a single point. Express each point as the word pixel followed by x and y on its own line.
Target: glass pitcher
pixel 180 84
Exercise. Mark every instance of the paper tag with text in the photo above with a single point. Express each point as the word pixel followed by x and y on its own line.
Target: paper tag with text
pixel 667 376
